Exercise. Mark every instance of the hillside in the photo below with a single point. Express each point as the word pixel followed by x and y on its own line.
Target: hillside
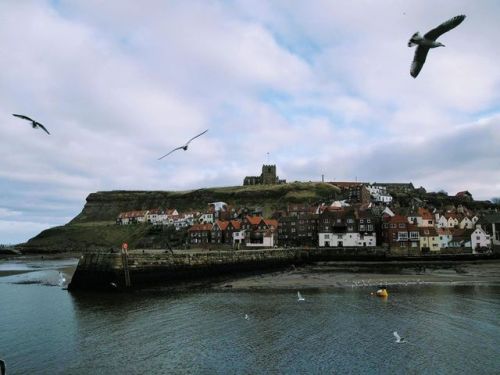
pixel 95 226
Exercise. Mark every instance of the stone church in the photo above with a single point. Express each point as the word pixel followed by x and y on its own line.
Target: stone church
pixel 267 177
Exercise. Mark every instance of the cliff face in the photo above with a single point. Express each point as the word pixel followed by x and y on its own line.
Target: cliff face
pixel 105 206
pixel 94 227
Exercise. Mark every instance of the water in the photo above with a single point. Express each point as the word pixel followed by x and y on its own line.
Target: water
pixel 449 329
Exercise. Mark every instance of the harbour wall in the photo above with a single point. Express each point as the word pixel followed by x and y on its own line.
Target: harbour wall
pixel 97 270
pixel 101 270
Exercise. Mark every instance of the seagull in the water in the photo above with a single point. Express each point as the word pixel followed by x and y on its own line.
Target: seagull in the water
pixel 34 124
pixel 247 317
pixel 299 297
pixel 429 41
pixel 184 147
pixel 399 339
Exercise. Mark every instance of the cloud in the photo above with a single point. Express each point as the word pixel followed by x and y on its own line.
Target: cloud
pixel 323 87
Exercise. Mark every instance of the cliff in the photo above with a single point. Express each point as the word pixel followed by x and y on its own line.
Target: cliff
pixel 95 226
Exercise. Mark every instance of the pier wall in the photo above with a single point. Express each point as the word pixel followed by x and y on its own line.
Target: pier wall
pixel 97 270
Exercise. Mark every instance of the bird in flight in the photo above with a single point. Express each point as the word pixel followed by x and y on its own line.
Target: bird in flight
pixel 399 339
pixel 427 41
pixel 34 124
pixel 299 297
pixel 184 147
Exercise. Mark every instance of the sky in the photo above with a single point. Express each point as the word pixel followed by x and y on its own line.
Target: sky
pixel 318 87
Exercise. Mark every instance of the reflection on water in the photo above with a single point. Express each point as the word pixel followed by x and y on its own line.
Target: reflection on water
pixel 449 329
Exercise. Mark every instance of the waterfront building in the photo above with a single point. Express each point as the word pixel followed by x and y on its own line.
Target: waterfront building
pixel 480 240
pixel 429 239
pixel 200 233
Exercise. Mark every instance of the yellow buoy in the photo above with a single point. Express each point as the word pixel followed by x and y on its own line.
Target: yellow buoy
pixel 382 292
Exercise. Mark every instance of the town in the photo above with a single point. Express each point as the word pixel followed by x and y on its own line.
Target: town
pixel 363 215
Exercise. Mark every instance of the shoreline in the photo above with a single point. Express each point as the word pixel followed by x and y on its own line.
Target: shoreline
pixel 334 275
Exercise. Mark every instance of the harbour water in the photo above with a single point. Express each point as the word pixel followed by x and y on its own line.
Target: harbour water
pixel 449 329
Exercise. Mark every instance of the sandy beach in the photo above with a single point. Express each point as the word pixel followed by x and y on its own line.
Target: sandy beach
pixel 370 274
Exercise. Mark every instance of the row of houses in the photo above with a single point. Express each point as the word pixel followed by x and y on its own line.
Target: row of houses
pixel 251 231
pixel 157 217
pixel 335 225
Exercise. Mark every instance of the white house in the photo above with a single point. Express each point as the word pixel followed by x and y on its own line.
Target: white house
pixel 452 221
pixel 266 240
pixel 239 237
pixel 131 217
pixel 346 239
pixel 206 218
pixel 466 223
pixel 445 237
pixel 480 239
pixel 379 193
pixel 441 221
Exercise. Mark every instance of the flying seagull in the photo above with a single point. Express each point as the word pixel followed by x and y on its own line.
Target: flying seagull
pixel 34 124
pixel 299 297
pixel 185 147
pixel 399 339
pixel 429 41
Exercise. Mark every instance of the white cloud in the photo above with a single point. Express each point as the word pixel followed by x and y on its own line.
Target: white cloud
pixel 323 86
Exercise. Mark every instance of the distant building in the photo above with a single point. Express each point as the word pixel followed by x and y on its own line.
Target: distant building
pixel 267 177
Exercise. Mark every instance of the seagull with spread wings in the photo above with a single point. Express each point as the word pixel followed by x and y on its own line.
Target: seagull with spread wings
pixel 34 124
pixel 184 147
pixel 424 43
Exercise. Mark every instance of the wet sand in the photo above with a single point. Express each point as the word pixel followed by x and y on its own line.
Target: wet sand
pixel 352 274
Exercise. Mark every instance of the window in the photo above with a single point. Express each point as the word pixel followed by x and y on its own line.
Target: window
pixel 327 236
pixel 370 228
pixel 361 227
pixel 350 228
pixel 339 220
pixel 402 225
pixel 478 238
pixel 413 235
pixel 350 221
pixel 402 244
pixel 402 236
pixel 368 221
pixel 385 225
pixel 393 225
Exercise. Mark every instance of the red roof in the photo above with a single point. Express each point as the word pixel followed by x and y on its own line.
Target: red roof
pixel 271 223
pixel 200 227
pixel 236 224
pixel 425 214
pixel 222 224
pixel 131 214
pixel 254 220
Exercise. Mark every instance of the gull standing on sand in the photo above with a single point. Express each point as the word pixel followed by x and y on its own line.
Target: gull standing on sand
pixel 299 297
pixel 429 41
pixel 184 147
pixel 34 124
